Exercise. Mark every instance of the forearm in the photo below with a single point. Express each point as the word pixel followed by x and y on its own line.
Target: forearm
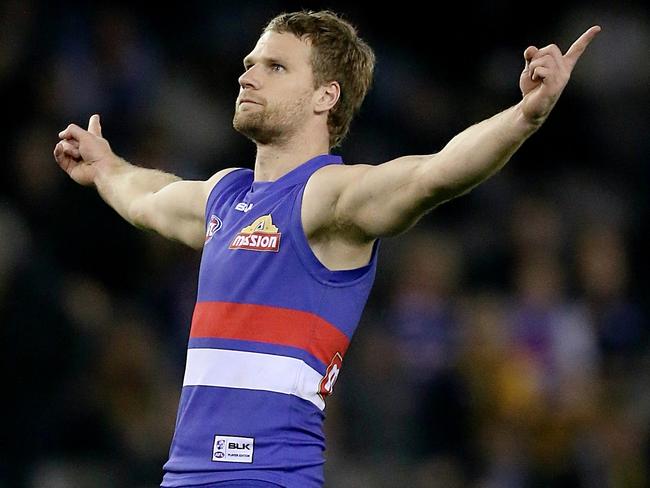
pixel 122 184
pixel 389 198
pixel 476 153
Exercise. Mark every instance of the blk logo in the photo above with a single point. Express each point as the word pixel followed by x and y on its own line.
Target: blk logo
pixel 236 445
pixel 230 449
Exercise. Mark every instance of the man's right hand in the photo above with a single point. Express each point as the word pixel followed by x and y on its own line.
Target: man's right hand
pixel 83 153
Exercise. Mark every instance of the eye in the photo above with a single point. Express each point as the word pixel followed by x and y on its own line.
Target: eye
pixel 277 67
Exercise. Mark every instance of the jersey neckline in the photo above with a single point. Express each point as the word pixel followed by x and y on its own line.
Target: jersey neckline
pixel 298 174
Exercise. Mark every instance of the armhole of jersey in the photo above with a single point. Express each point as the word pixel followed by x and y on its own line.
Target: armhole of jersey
pixel 309 260
pixel 220 187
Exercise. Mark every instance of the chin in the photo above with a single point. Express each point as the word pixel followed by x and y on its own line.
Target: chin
pixel 255 131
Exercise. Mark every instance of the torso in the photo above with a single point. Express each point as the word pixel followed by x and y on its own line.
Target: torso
pixel 269 333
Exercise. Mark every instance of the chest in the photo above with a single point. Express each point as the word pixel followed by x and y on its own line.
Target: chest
pixel 248 238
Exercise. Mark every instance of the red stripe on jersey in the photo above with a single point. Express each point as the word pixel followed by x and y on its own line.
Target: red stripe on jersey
pixel 274 325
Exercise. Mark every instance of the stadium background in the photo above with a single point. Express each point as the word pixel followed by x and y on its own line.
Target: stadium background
pixel 506 340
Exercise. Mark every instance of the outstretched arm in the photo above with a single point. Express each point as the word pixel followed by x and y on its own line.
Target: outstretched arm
pixel 389 198
pixel 146 198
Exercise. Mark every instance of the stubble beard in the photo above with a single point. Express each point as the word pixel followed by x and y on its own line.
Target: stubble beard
pixel 271 125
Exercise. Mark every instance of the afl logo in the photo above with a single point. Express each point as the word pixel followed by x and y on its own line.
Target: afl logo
pixel 213 226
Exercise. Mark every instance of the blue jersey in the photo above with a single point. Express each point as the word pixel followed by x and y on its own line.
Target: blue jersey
pixel 269 333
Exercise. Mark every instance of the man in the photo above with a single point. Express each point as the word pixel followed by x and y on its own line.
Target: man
pixel 289 250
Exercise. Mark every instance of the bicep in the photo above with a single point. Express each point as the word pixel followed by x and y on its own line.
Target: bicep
pixel 177 211
pixel 387 199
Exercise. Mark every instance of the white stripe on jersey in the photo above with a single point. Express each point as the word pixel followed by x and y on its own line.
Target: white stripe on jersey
pixel 253 371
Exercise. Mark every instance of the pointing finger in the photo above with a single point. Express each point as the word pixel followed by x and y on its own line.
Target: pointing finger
pixel 579 46
pixel 94 127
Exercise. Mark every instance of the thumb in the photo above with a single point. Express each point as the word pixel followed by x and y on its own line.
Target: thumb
pixel 94 126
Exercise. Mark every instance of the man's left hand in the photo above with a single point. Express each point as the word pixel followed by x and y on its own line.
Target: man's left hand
pixel 546 74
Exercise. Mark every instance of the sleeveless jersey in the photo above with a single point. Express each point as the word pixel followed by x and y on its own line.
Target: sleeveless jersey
pixel 269 331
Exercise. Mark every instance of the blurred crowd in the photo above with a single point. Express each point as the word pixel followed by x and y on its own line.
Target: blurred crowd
pixel 506 341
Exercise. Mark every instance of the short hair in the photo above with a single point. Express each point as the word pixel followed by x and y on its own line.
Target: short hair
pixel 338 54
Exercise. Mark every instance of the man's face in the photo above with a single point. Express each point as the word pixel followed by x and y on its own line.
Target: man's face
pixel 276 90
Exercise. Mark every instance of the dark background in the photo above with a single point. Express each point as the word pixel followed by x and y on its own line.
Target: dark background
pixel 505 343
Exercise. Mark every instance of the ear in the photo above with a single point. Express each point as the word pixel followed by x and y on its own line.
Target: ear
pixel 327 96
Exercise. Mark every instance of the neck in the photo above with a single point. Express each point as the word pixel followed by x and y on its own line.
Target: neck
pixel 275 160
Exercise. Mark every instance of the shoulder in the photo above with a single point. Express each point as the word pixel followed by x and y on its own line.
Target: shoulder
pixel 338 171
pixel 323 191
pixel 218 176
pixel 330 180
pixel 210 183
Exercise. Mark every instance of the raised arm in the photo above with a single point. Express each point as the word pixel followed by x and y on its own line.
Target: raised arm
pixel 387 199
pixel 146 198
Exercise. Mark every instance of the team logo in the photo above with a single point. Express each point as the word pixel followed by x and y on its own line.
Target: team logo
pixel 326 385
pixel 213 226
pixel 261 235
pixel 219 448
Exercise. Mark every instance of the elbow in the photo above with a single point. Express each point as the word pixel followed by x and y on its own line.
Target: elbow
pixel 439 183
pixel 433 186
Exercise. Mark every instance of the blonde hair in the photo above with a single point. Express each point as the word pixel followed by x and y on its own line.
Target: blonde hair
pixel 338 54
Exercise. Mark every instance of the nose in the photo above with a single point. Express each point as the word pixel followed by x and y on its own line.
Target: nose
pixel 249 79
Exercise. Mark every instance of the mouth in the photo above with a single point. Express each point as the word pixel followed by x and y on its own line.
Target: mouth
pixel 248 100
